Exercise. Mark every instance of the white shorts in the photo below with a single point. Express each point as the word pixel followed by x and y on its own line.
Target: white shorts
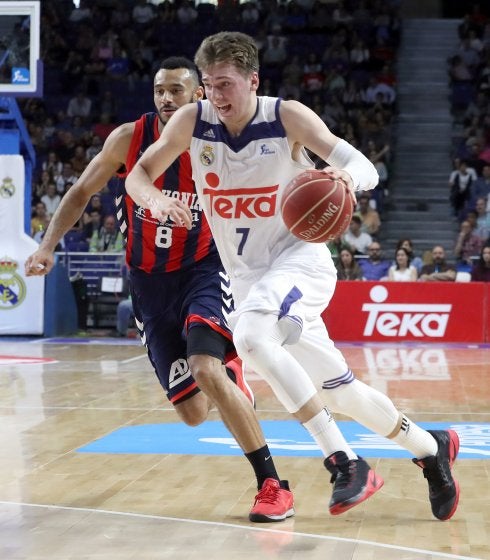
pixel 306 337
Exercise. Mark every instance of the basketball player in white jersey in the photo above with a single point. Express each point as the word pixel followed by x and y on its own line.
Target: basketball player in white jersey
pixel 244 150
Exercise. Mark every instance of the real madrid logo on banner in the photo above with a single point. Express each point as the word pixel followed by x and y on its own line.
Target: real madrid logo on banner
pixel 207 155
pixel 7 188
pixel 12 286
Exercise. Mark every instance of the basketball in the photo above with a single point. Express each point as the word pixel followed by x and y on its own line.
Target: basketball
pixel 315 207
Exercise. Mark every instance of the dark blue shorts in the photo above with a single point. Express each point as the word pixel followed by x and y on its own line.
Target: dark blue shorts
pixel 167 306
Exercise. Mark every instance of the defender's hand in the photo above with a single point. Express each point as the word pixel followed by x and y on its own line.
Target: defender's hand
pixel 39 263
pixel 163 207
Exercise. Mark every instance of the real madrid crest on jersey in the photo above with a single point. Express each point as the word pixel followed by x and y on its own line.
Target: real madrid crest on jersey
pixel 12 286
pixel 7 188
pixel 207 155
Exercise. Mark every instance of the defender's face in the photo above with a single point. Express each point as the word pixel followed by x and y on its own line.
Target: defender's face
pixel 173 89
pixel 231 92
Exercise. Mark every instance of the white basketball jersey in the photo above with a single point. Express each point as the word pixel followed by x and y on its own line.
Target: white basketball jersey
pixel 240 181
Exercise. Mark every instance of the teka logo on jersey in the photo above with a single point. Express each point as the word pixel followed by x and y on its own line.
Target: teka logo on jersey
pixel 259 202
pixel 402 319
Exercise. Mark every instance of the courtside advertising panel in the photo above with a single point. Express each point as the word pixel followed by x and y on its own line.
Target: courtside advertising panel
pixel 401 311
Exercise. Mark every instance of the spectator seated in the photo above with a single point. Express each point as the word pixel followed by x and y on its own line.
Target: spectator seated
pixel 75 241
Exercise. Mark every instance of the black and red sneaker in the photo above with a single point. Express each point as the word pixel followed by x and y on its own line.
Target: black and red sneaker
pixel 443 489
pixel 353 481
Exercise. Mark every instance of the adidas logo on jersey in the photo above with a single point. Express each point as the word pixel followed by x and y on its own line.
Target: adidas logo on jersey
pixel 209 133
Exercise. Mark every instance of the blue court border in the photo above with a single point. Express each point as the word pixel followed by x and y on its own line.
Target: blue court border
pixel 284 437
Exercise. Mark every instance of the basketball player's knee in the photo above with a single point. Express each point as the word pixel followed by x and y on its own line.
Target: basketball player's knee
pixel 340 399
pixel 194 418
pixel 194 411
pixel 256 338
pixel 251 346
pixel 209 384
pixel 210 377
pixel 199 372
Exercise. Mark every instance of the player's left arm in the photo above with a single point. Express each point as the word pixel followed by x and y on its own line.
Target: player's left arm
pixel 174 140
pixel 305 127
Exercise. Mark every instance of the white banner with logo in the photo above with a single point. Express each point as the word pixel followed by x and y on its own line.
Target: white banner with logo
pixel 21 298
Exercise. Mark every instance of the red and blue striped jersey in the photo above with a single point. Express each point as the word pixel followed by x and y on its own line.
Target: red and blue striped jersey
pixel 150 245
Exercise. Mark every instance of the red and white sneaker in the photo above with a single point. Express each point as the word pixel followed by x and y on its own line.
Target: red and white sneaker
pixel 272 503
pixel 237 376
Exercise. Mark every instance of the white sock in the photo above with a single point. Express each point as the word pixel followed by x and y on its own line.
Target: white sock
pixel 417 440
pixel 324 430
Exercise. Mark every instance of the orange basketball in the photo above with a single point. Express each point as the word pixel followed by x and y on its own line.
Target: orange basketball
pixel 315 207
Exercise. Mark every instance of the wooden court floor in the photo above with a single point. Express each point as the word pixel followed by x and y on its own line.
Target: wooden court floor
pixel 58 503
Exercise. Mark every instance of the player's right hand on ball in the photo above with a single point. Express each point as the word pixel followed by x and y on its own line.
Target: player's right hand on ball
pixel 344 177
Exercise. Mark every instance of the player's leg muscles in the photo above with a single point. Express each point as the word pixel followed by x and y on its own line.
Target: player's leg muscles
pixel 259 339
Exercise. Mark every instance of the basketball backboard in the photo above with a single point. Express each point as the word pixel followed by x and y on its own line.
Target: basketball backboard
pixel 20 67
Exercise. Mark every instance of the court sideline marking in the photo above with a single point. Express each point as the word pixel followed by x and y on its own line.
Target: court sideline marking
pixel 242 527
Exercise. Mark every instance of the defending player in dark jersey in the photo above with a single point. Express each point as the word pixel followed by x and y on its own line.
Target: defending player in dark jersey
pixel 196 293
pixel 179 290
pixel 151 246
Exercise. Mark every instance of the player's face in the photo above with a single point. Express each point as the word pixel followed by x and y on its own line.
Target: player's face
pixel 231 92
pixel 173 89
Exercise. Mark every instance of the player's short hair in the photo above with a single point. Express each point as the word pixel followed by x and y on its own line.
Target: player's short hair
pixel 231 47
pixel 178 62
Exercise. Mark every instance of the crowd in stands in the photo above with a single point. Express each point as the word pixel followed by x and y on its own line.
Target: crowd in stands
pixel 337 57
pixel 100 58
pixel 405 266
pixel 469 182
